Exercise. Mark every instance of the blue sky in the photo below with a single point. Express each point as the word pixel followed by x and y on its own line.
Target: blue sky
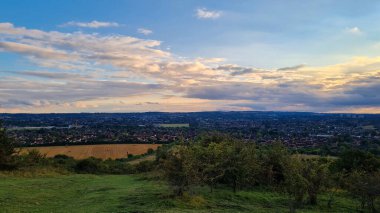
pixel 188 55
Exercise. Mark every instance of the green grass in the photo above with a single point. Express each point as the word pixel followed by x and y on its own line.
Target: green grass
pixel 131 193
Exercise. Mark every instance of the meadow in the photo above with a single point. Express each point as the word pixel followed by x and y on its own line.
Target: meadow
pixel 139 193
pixel 103 151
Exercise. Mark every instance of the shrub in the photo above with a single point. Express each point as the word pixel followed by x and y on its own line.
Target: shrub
pixel 89 165
pixel 32 158
pixel 145 166
pixel 150 151
pixel 117 167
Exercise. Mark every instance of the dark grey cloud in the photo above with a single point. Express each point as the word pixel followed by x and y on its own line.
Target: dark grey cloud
pixel 54 75
pixel 237 70
pixel 25 93
pixel 291 94
pixel 297 67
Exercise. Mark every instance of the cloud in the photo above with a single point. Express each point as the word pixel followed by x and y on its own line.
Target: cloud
pixel 144 31
pixel 54 75
pixel 297 67
pixel 82 51
pixel 236 70
pixel 203 13
pixel 39 52
pixel 354 31
pixel 91 72
pixel 92 24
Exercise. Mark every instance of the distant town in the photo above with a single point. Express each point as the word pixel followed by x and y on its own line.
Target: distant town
pixel 314 133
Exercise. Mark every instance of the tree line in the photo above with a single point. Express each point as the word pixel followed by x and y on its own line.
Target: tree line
pixel 217 160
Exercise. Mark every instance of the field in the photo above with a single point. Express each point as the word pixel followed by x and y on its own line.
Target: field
pixel 105 151
pixel 131 193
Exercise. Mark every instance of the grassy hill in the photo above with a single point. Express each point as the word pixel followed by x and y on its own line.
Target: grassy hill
pixel 134 193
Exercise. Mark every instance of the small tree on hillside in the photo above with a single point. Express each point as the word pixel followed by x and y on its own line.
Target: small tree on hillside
pixel 209 163
pixel 241 165
pixel 7 150
pixel 316 174
pixel 178 169
pixel 295 184
pixel 273 160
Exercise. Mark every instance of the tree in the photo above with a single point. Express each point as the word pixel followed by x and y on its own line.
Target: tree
pixel 8 151
pixel 365 187
pixel 241 164
pixel 273 159
pixel 209 163
pixel 305 177
pixel 357 160
pixel 295 184
pixel 316 174
pixel 178 168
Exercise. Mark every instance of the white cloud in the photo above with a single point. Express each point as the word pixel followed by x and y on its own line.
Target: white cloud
pixel 144 31
pixel 203 13
pixel 95 68
pixel 354 31
pixel 92 24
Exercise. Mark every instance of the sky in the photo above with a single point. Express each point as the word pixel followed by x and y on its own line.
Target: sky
pixel 184 56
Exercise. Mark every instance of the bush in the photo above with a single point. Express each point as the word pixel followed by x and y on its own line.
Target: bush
pixel 117 167
pixel 89 165
pixel 150 151
pixel 32 158
pixel 145 166
pixel 64 162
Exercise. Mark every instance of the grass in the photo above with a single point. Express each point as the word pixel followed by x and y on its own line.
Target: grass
pixel 134 193
pixel 144 158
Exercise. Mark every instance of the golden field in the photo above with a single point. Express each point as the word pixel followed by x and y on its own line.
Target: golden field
pixel 103 151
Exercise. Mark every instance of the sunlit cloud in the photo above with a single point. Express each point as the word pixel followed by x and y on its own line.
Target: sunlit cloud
pixel 91 72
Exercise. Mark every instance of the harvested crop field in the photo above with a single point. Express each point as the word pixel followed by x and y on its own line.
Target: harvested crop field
pixel 105 151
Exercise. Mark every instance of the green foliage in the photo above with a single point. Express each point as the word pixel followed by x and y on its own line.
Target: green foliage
pixel 145 166
pixel 241 164
pixel 357 160
pixel 274 159
pixel 7 151
pixel 177 168
pixel 208 162
pixel 365 187
pixel 295 184
pixel 316 174
pixel 98 166
pixel 150 151
pixel 32 158
pixel 89 165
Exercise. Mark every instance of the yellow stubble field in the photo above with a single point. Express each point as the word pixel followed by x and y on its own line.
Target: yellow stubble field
pixel 103 151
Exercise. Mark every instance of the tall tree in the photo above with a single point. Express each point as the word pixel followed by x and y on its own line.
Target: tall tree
pixel 178 168
pixel 7 150
pixel 316 174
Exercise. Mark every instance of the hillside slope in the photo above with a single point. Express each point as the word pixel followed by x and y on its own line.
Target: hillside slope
pixel 111 193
